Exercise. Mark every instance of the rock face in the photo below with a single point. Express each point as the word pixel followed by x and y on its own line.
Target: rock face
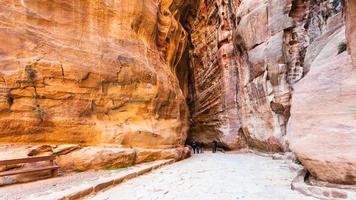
pixel 264 90
pixel 76 158
pixel 322 126
pixel 92 72
pixel 350 13
pixel 255 61
pixel 276 75
pixel 246 57
pixel 214 107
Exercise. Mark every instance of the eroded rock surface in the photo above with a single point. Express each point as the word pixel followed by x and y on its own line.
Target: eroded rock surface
pixel 350 15
pixel 92 72
pixel 120 73
pixel 214 107
pixel 71 157
pixel 253 56
pixel 273 38
pixel 246 57
pixel 321 129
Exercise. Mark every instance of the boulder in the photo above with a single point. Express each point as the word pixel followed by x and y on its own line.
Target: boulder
pixel 97 157
pixel 147 155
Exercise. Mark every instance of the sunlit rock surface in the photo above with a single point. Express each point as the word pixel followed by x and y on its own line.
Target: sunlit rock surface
pixel 91 72
pixel 322 126
pixel 275 75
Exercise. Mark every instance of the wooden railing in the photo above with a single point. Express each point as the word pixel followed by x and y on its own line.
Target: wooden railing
pixel 51 167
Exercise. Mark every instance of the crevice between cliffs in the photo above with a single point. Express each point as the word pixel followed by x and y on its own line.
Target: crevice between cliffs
pixel 237 70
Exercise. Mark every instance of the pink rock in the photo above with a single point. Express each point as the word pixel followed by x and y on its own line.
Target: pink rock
pixel 322 127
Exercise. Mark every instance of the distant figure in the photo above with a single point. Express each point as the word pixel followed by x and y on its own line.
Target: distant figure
pixel 214 146
pixel 197 148
pixel 201 147
pixel 194 146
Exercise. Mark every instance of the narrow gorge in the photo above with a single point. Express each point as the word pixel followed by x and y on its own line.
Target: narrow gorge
pixel 118 83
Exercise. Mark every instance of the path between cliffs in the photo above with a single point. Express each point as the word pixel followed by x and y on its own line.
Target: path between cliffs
pixel 210 176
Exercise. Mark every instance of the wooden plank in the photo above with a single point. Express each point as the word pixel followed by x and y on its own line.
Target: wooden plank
pixel 26 160
pixel 22 171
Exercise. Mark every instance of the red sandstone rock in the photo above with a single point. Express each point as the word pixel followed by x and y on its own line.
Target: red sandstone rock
pixel 97 73
pixel 350 13
pixel 213 62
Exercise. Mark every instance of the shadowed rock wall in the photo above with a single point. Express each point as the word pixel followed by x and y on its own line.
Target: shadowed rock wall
pixel 214 73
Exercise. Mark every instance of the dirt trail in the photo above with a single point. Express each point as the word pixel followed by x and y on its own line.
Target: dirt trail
pixel 208 176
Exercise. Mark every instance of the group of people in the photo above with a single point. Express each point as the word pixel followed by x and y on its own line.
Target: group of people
pixel 198 147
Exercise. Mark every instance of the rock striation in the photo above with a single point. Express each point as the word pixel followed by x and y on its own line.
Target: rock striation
pixel 275 75
pixel 322 126
pixel 214 111
pixel 92 72
pixel 350 14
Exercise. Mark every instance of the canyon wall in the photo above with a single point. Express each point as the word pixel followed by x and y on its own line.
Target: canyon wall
pixel 214 76
pixel 275 75
pixel 246 57
pixel 350 15
pixel 273 39
pixel 282 74
pixel 322 127
pixel 92 72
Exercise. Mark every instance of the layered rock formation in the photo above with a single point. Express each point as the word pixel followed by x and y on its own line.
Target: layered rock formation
pixel 251 58
pixel 92 72
pixel 264 90
pixel 214 108
pixel 350 15
pixel 246 58
pixel 273 38
pixel 322 126
pixel 276 75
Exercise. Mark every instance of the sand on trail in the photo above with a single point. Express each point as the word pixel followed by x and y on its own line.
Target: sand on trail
pixel 207 176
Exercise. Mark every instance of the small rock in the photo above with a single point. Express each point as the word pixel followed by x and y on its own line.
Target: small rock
pixel 40 149
pixel 65 149
pixel 295 167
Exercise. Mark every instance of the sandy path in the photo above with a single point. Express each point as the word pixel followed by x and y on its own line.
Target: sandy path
pixel 209 176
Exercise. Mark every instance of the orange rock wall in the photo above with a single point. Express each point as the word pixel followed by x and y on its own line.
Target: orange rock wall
pixel 276 75
pixel 91 72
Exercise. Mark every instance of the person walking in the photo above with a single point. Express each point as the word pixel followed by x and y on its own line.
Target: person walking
pixel 197 148
pixel 201 147
pixel 214 146
pixel 194 146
